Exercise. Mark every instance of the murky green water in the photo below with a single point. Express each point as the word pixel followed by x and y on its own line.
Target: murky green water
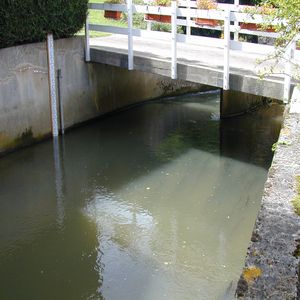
pixel 157 202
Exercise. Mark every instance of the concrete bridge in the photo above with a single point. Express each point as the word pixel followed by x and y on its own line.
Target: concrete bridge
pixel 224 63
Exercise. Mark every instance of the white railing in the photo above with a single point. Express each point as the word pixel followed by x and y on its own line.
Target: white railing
pixel 185 13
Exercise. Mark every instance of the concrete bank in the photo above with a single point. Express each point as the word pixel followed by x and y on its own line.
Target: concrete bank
pixel 87 90
pixel 272 263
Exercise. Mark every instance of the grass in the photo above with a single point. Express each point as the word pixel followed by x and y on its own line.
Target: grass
pixel 97 17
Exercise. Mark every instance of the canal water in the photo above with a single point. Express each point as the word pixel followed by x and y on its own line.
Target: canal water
pixel 156 202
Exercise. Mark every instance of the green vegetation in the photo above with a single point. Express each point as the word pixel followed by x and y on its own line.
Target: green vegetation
pixel 115 1
pixel 274 146
pixel 183 139
pixel 159 2
pixel 289 11
pixel 285 10
pixel 29 21
pixel 97 17
pixel 296 200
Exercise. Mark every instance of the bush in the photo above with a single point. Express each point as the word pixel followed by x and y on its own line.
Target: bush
pixel 28 21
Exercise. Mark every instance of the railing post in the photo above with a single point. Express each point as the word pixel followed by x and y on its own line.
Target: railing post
pixel 130 36
pixel 149 25
pixel 289 54
pixel 174 39
pixel 226 48
pixel 236 23
pixel 188 18
pixel 87 40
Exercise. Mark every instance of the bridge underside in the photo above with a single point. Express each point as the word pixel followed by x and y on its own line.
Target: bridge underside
pixel 196 63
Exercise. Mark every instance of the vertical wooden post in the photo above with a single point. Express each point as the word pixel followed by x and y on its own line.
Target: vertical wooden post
pixel 52 84
pixel 87 40
pixel 289 54
pixel 174 39
pixel 130 36
pixel 226 48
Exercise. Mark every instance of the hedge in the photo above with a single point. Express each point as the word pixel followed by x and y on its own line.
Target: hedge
pixel 28 21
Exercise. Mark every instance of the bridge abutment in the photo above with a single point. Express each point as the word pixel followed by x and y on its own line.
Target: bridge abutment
pixel 234 103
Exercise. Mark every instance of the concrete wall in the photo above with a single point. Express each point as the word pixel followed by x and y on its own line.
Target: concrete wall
pixel 87 90
pixel 234 103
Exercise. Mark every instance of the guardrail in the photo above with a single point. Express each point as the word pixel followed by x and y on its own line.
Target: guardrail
pixel 184 13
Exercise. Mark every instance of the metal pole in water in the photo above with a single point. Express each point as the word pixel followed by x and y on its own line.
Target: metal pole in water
pixel 52 84
pixel 58 173
pixel 60 106
pixel 174 39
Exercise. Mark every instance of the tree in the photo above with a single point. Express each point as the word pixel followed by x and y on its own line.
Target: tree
pixel 287 16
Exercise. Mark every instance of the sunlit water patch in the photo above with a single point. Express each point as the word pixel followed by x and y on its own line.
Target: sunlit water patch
pixel 179 226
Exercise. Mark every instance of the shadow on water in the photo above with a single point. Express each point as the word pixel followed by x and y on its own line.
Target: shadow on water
pixel 156 202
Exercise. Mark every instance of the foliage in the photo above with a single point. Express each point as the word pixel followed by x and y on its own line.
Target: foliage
pixel 27 21
pixel 274 147
pixel 158 2
pixel 138 18
pixel 97 17
pixel 289 11
pixel 264 9
pixel 287 16
pixel 206 4
pixel 115 1
pixel 161 27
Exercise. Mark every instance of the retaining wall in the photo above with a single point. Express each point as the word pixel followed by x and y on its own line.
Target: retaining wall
pixel 88 90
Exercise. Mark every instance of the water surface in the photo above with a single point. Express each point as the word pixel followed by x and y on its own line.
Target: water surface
pixel 157 202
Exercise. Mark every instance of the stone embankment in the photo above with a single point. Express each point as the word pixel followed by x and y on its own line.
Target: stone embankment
pixel 272 263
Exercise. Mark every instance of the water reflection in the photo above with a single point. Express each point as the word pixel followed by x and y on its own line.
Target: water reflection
pixel 58 169
pixel 154 203
pixel 179 223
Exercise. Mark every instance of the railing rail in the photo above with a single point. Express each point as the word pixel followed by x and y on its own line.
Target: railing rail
pixel 230 14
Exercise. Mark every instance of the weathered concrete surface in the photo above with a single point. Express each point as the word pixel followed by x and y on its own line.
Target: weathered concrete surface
pixel 87 90
pixel 235 103
pixel 196 63
pixel 276 234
